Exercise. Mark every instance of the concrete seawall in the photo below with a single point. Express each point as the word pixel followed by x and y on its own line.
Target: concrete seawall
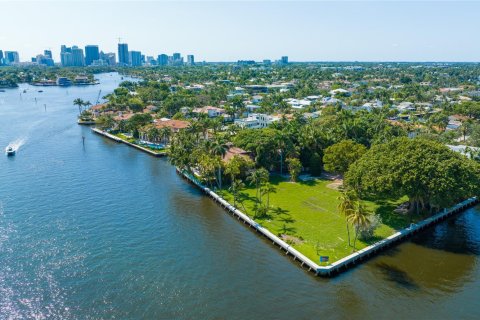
pixel 117 139
pixel 344 263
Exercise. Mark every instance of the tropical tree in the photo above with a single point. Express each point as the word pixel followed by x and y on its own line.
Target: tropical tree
pixel 427 172
pixel 294 167
pixel 359 217
pixel 267 189
pixel 165 133
pixel 219 149
pixel 346 205
pixel 80 103
pixel 339 157
pixel 257 177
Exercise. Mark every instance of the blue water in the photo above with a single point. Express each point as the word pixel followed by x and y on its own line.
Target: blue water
pixel 102 231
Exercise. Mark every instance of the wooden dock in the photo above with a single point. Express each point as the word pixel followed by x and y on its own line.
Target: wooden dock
pixel 117 139
pixel 344 263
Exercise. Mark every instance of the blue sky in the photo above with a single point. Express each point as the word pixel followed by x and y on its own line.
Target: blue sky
pixel 229 30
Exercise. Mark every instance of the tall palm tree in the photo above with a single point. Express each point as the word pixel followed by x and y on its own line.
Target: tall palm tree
pixel 257 177
pixel 80 103
pixel 267 189
pixel 359 217
pixel 347 202
pixel 219 149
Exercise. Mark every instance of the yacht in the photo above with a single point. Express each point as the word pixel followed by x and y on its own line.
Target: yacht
pixel 10 151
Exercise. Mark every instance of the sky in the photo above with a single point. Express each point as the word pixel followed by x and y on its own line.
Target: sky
pixel 250 30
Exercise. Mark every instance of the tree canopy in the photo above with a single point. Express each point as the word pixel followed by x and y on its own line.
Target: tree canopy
pixel 430 174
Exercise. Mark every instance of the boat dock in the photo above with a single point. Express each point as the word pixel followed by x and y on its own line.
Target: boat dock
pixel 117 139
pixel 344 263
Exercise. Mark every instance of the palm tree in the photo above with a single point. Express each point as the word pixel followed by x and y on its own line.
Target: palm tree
pixel 218 148
pixel 359 217
pixel 80 103
pixel 267 189
pixel 257 177
pixel 346 205
pixel 165 133
pixel 153 134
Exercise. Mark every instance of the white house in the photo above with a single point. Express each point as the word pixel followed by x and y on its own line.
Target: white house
pixel 212 112
pixel 256 121
pixel 337 91
pixel 298 103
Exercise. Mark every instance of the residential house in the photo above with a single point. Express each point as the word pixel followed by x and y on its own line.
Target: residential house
pixel 256 121
pixel 212 112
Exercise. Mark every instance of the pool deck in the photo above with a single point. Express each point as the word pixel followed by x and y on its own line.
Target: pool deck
pixel 348 261
pixel 120 140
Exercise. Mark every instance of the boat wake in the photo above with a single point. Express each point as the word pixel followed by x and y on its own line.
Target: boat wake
pixel 15 145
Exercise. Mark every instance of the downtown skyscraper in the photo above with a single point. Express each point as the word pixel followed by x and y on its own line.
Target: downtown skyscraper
pixel 123 56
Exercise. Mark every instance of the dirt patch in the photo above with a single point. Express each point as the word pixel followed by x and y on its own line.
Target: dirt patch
pixel 291 239
pixel 335 185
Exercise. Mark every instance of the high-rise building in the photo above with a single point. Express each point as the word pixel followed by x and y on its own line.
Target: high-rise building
pixel 11 57
pixel 176 56
pixel 135 58
pixel 109 58
pixel 151 60
pixel 162 60
pixel 48 53
pixel 78 57
pixel 123 54
pixel 45 60
pixel 190 59
pixel 66 56
pixel 284 60
pixel 1 57
pixel 91 54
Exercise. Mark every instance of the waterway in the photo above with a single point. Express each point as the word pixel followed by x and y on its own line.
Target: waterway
pixel 101 231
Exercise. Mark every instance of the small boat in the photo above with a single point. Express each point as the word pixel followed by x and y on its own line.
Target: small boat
pixel 40 90
pixel 10 151
pixel 25 91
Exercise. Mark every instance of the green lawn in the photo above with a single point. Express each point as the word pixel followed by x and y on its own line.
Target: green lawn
pixel 307 213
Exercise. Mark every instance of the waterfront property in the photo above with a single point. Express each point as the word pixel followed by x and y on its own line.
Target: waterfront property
pixel 346 262
pixel 305 215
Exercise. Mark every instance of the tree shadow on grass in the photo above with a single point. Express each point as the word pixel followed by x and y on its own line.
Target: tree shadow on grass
pixel 390 218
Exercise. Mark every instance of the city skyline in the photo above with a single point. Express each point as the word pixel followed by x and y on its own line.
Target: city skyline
pixel 220 31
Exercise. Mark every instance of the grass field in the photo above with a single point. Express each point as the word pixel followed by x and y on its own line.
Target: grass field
pixel 307 213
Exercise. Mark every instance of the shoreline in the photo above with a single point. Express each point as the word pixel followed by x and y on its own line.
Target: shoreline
pixel 349 261
pixel 119 140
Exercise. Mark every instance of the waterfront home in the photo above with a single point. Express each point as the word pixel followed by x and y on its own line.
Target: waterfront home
pixel 98 109
pixel 256 121
pixel 174 125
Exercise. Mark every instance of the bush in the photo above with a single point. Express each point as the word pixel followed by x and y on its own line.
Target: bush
pixel 369 231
